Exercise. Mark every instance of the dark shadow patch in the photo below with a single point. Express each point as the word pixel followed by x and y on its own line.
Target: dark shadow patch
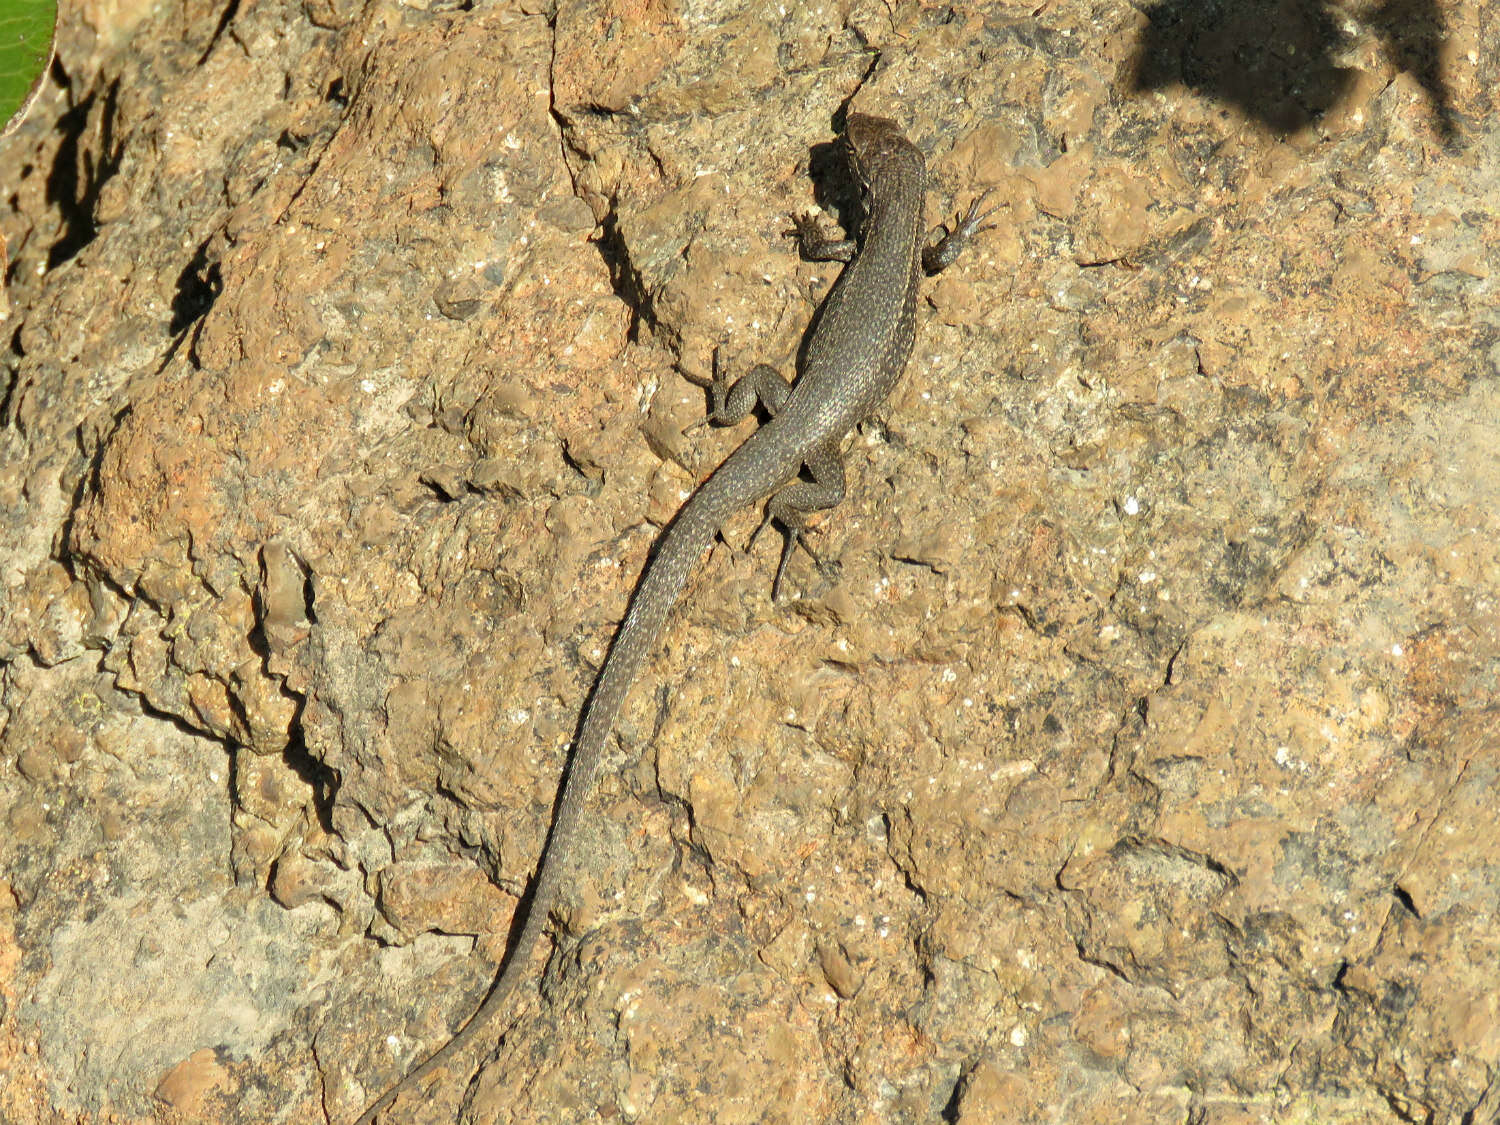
pixel 952 1109
pixel 625 278
pixel 320 778
pixel 198 287
pixel 1270 59
pixel 1273 60
pixel 8 392
pixel 78 173
pixel 1413 32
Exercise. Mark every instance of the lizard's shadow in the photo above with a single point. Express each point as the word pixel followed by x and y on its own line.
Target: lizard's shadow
pixel 836 189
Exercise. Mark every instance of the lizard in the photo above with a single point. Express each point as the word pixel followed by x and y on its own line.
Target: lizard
pixel 861 339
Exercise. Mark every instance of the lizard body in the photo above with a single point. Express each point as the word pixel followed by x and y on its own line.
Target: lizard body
pixel 856 352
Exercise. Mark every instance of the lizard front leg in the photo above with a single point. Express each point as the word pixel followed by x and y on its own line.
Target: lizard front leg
pixel 942 253
pixel 817 246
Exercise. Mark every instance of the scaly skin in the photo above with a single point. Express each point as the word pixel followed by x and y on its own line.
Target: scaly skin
pixel 864 336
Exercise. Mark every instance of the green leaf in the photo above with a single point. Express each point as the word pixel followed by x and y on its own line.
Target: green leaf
pixel 26 28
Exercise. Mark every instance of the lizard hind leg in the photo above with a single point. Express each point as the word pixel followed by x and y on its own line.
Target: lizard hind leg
pixel 733 401
pixel 791 506
pixel 730 401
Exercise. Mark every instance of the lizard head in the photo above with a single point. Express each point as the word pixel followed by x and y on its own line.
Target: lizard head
pixel 876 145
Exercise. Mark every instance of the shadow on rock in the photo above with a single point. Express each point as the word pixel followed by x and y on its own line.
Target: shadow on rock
pixel 1274 60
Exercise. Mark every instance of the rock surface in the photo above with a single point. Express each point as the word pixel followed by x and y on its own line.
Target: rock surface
pixel 1130 755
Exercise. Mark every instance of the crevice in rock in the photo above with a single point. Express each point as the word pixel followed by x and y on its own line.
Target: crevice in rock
pixel 624 278
pixel 230 11
pixel 77 195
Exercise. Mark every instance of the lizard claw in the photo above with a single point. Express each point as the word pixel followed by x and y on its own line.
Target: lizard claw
pixel 804 228
pixel 717 387
pixel 793 537
pixel 942 253
pixel 754 535
pixel 973 221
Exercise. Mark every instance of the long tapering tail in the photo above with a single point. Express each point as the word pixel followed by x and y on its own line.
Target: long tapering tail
pixel 677 551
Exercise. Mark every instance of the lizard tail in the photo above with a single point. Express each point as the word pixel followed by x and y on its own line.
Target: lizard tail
pixel 681 544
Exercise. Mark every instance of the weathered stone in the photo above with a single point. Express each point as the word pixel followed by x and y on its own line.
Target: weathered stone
pixel 1128 754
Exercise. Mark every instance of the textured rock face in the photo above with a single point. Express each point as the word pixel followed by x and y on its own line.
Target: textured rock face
pixel 1131 756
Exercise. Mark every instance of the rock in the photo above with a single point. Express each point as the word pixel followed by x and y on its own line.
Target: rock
pixel 1127 754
